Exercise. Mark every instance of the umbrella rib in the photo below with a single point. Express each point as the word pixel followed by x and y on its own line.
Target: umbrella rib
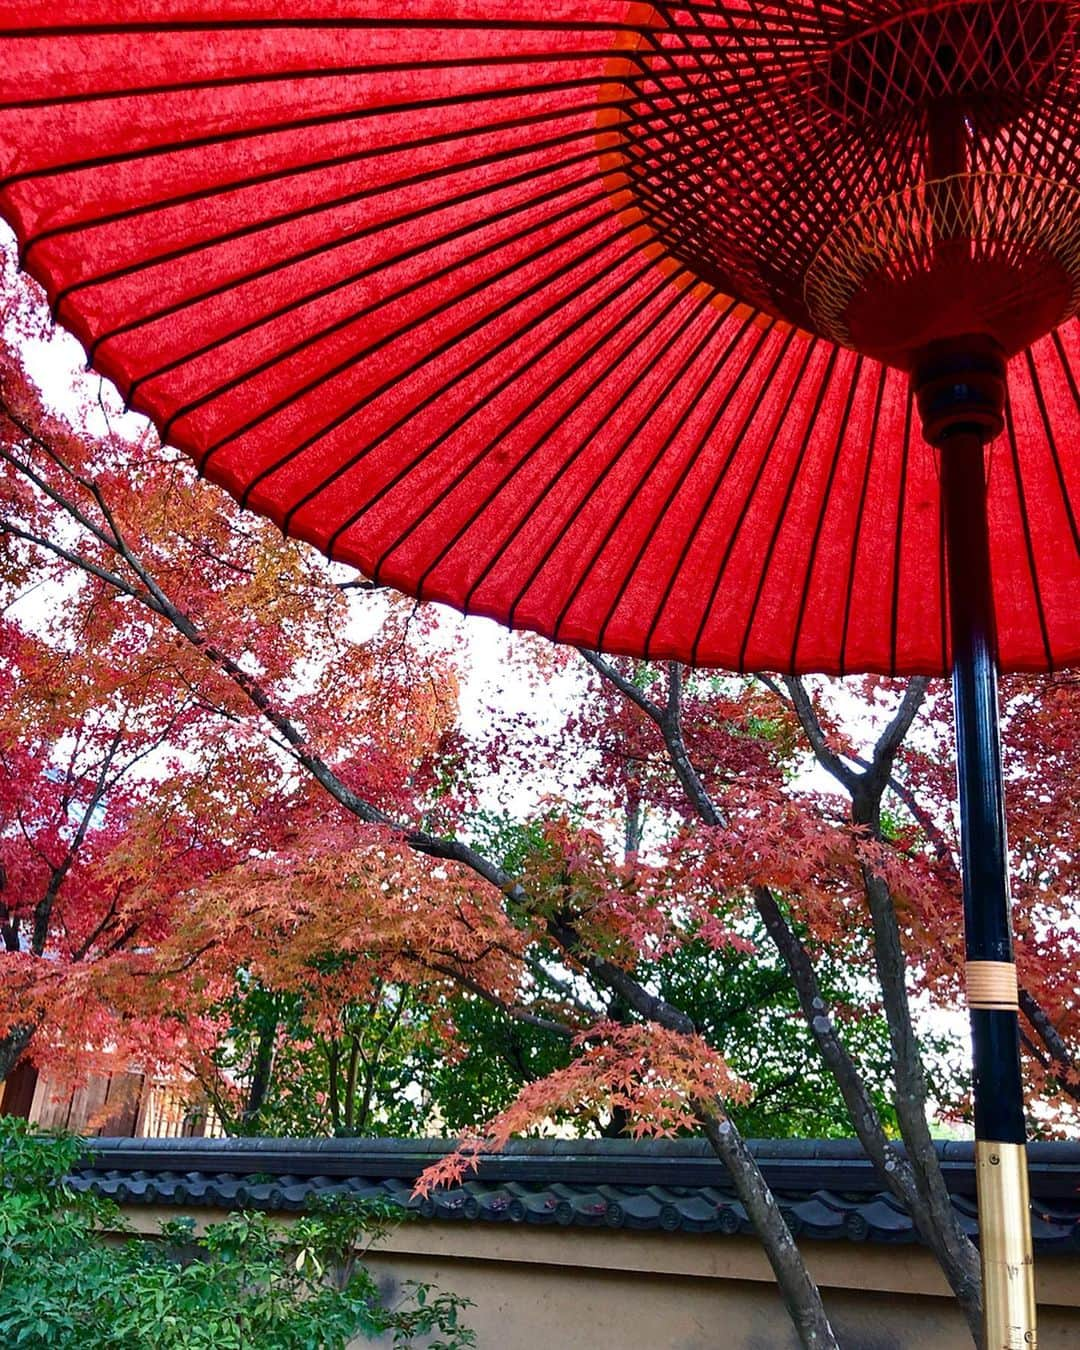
pixel 418 283
pixel 584 497
pixel 747 500
pixel 506 307
pixel 1029 548
pixel 554 543
pixel 898 544
pixel 597 380
pixel 849 595
pixel 819 529
pixel 662 108
pixel 230 236
pixel 734 441
pixel 301 170
pixel 305 73
pixel 558 193
pixel 764 332
pixel 785 503
pixel 505 383
pixel 668 441
pixel 354 358
pixel 329 246
pixel 627 503
pixel 631 349
pixel 679 126
pixel 1051 439
pixel 442 23
pixel 736 128
pixel 287 217
pixel 341 118
pixel 731 455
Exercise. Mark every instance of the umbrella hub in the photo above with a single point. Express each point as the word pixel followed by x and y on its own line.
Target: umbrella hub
pixel 783 153
pixel 960 388
pixel 987 252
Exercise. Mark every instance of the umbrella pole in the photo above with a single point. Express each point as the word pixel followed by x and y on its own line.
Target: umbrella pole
pixel 957 395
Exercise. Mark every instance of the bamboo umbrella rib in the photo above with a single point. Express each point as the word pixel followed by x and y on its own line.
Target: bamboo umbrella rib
pixel 563 270
pixel 582 356
pixel 562 193
pixel 826 498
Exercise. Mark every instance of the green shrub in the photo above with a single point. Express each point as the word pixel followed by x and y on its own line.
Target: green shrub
pixel 245 1282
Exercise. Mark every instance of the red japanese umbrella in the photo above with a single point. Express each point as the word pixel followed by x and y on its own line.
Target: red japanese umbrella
pixel 740 333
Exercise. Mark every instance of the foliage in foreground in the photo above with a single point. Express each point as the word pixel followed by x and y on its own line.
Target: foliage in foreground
pixel 243 1282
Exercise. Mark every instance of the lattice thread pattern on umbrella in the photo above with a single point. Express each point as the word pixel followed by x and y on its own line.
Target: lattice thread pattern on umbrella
pixel 924 52
pixel 752 133
pixel 1011 217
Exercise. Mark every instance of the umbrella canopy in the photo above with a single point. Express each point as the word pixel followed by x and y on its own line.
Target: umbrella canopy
pixel 596 320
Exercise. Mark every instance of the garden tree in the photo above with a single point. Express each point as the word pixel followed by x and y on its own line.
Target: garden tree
pixel 742 1003
pixel 127 780
pixel 783 855
pixel 92 852
pixel 1042 754
pixel 282 1064
pixel 130 768
pixel 418 903
pixel 745 1005
pixel 490 1059
pixel 276 1062
pixel 96 524
pixel 294 1053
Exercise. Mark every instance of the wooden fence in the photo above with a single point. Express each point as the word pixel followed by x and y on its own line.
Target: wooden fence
pixel 110 1104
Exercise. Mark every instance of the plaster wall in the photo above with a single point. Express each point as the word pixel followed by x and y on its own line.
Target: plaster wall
pixel 573 1289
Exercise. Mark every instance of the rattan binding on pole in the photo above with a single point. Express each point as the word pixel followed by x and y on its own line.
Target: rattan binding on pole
pixel 992 986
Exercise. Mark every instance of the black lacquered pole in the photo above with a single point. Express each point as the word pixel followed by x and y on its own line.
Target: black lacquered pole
pixel 999 1109
pixel 961 392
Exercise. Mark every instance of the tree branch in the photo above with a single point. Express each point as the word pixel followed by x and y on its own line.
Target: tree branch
pixel 624 686
pixel 44 907
pixel 815 733
pixel 891 739
pixel 513 1011
pixel 1056 1048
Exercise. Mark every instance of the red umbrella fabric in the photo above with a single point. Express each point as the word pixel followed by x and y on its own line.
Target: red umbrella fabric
pixel 550 315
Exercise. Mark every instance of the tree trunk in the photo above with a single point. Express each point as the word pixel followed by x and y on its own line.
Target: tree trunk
pixel 17 1090
pixel 934 1217
pixel 12 1046
pixel 797 1288
pixel 260 1076
pixel 800 1293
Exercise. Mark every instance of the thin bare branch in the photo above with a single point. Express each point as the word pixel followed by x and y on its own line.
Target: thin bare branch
pixel 891 739
pixel 829 760
pixel 625 686
pixel 76 560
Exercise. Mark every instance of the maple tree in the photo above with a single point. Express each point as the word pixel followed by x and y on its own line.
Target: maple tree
pixel 287 1053
pixel 130 768
pixel 341 864
pixel 91 863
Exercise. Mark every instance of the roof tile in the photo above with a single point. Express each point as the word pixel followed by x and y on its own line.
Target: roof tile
pixel 827 1190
